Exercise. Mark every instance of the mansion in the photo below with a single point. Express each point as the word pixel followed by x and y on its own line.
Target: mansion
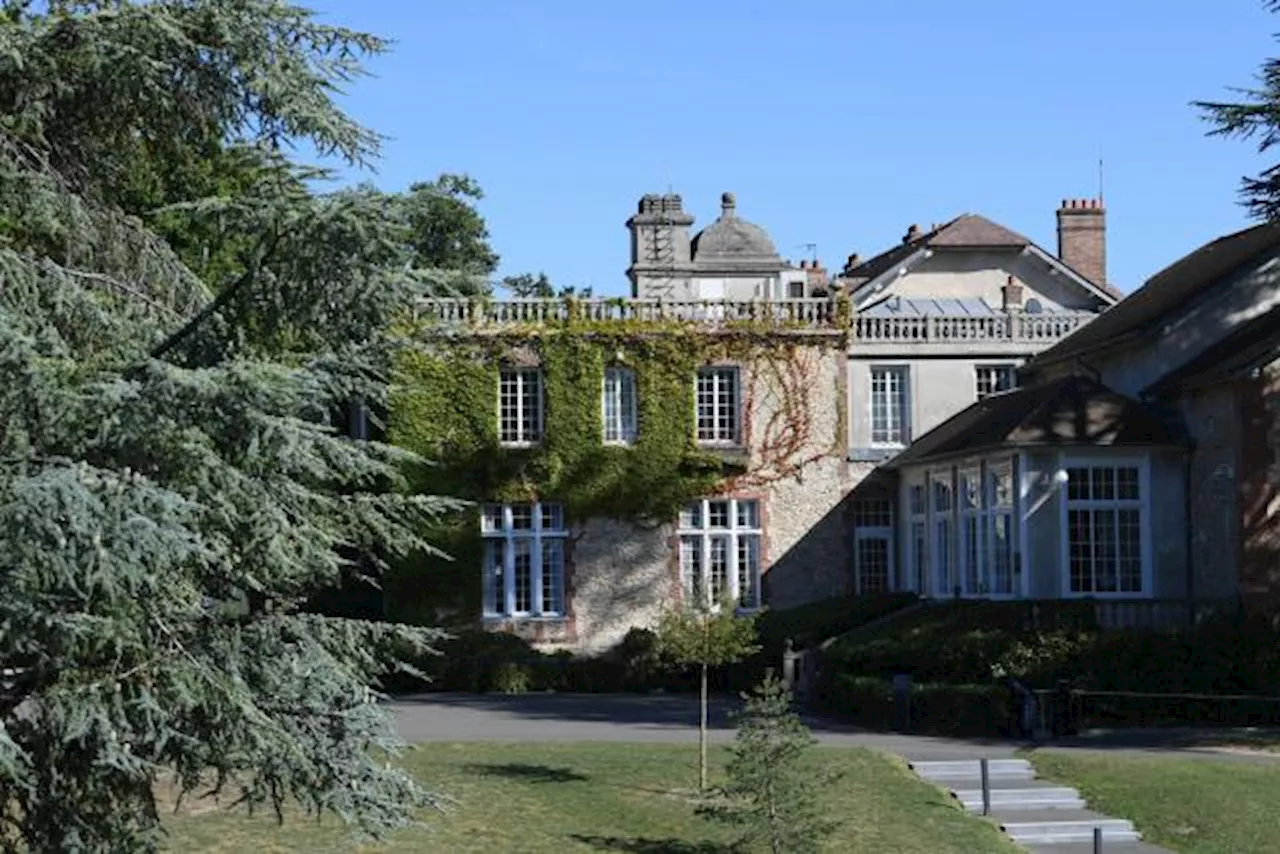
pixel 963 414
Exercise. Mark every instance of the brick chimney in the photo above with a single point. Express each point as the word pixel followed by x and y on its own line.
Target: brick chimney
pixel 1082 238
pixel 1011 296
pixel 816 273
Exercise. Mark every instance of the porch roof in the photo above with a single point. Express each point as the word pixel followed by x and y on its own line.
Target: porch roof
pixel 1074 410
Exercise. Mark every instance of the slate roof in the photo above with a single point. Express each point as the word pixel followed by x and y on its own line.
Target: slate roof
pixel 1074 410
pixel 1255 343
pixel 967 231
pixel 1165 292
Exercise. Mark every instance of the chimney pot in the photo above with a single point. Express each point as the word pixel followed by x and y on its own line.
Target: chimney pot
pixel 804 265
pixel 1011 297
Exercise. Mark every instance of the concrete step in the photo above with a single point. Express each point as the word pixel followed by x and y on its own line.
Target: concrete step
pixel 970 769
pixel 1108 847
pixel 1032 798
pixel 1044 827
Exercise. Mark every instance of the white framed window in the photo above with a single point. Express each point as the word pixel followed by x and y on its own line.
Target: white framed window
pixel 619 404
pixel 524 559
pixel 718 402
pixel 998 529
pixel 971 533
pixel 795 290
pixel 890 405
pixel 943 504
pixel 918 509
pixel 873 545
pixel 991 379
pixel 720 551
pixel 520 405
pixel 1104 516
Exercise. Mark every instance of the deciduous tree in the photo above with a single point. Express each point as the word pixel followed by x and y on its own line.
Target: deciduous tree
pixel 701 636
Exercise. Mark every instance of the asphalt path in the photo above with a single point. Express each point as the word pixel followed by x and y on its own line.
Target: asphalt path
pixel 673 719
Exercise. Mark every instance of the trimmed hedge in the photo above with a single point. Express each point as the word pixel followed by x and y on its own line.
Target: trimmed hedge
pixel 936 709
pixel 477 661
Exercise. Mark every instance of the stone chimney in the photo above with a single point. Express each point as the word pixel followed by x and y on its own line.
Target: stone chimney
pixel 1082 238
pixel 1011 296
pixel 815 274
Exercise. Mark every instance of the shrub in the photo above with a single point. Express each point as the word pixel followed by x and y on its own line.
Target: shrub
pixel 510 677
pixel 936 709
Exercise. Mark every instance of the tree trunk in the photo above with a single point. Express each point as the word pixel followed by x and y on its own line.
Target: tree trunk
pixel 702 735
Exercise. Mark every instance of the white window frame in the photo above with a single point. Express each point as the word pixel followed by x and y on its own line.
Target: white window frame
pixel 993 510
pixel 524 436
pixel 1142 505
pixel 916 545
pixel 972 542
pixel 882 529
pixel 725 379
pixel 902 374
pixel 942 532
pixel 625 427
pixel 502 538
pixel 991 371
pixel 694 532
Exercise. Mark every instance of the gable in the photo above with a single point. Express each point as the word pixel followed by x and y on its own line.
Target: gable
pixel 978 277
pixel 972 244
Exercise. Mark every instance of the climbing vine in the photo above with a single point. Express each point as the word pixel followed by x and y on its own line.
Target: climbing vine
pixel 444 406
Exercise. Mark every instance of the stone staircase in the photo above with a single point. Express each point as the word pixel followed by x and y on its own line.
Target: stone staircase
pixel 1039 816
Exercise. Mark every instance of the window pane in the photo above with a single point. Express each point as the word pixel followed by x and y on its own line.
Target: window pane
pixel 509 406
pixel 521 517
pixel 717 404
pixel 719 568
pixel 523 571
pixel 873 564
pixel 1127 483
pixel 917 499
pixel 1105 577
pixel 942 498
pixel 1078 484
pixel 1001 554
pixel 748 514
pixel 1080 550
pixel 691 568
pixel 970 498
pixel 619 405
pixel 494 550
pixel 552 517
pixel 552 576
pixel 1104 484
pixel 491 518
pixel 717 514
pixel 531 406
pixel 749 571
pixel 1129 550
pixel 691 515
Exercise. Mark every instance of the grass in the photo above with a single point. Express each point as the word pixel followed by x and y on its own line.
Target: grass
pixel 1195 806
pixel 532 798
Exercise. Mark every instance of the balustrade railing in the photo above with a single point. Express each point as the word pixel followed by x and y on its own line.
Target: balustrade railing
pixel 803 314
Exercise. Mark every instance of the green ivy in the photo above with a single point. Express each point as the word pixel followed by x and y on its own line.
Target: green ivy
pixel 444 406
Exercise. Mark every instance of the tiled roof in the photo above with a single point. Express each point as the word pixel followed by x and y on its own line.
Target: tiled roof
pixel 1072 411
pixel 1167 291
pixel 972 230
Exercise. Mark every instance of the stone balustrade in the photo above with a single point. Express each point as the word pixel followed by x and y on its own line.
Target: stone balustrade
pixel 811 314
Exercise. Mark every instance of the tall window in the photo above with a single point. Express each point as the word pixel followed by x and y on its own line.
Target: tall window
pixel 889 406
pixel 720 551
pixel 971 539
pixel 873 544
pixel 919 537
pixel 520 406
pixel 994 378
pixel 795 290
pixel 718 407
pixel 524 551
pixel 1104 529
pixel 620 406
pixel 999 529
pixel 944 504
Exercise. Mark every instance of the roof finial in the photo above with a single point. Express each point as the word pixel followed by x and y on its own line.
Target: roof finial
pixel 727 204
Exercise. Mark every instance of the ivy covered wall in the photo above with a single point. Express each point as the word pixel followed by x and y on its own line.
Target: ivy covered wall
pixel 444 406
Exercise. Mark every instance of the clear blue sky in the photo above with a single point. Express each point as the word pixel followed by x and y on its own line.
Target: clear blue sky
pixel 836 122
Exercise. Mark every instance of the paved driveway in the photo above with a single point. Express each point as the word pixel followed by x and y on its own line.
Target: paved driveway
pixel 629 717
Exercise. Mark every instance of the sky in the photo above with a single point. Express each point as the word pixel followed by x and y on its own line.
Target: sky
pixel 837 123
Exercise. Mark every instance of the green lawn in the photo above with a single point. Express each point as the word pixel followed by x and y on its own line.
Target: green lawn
pixel 530 798
pixel 1195 806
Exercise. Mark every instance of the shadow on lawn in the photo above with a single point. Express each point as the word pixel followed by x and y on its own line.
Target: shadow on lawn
pixel 643 845
pixel 527 773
